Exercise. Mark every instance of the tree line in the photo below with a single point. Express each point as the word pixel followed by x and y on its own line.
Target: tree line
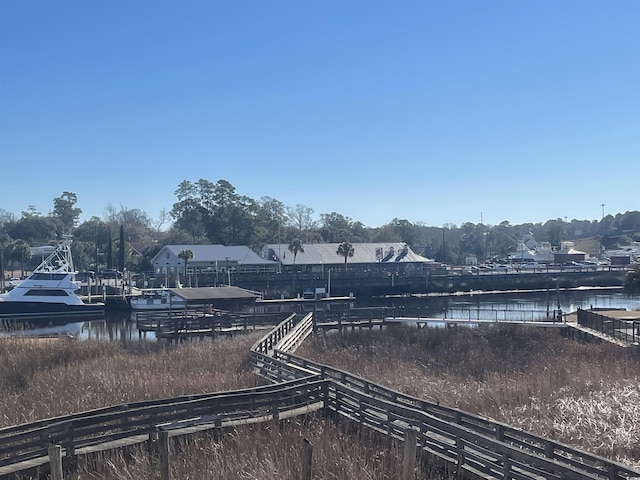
pixel 214 213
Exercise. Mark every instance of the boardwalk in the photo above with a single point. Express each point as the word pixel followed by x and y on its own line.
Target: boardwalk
pixel 475 446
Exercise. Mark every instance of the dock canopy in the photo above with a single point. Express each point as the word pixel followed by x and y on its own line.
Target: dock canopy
pixel 216 296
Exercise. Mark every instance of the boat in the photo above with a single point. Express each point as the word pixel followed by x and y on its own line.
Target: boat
pixel 156 299
pixel 49 293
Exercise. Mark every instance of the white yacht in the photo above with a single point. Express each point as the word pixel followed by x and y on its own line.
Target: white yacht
pixel 49 292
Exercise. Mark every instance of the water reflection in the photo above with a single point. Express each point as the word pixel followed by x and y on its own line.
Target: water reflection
pixel 539 302
pixel 121 326
pixel 113 327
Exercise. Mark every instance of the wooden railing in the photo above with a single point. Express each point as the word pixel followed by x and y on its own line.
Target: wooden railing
pixel 137 420
pixel 474 443
pixel 193 321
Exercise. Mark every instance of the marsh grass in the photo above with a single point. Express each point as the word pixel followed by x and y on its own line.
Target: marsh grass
pixel 47 379
pixel 584 395
pixel 268 451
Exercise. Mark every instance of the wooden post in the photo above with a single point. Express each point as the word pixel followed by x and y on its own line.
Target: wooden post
pixel 410 443
pixel 307 459
pixel 55 462
pixel 163 446
pixel 506 467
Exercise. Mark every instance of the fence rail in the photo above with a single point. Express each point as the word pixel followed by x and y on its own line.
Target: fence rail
pixel 493 449
pixel 626 330
pixel 75 432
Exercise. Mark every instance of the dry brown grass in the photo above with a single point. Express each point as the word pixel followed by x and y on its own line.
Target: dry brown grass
pixel 583 395
pixel 41 380
pixel 269 451
pixel 46 379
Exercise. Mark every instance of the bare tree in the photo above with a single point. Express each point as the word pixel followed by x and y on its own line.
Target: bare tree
pixel 300 218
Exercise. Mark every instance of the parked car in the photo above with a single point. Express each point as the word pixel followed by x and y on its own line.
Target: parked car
pixel 532 266
pixel 15 281
pixel 503 268
pixel 111 273
pixel 589 265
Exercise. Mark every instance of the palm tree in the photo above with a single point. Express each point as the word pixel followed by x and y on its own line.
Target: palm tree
pixel 294 247
pixel 185 255
pixel 346 250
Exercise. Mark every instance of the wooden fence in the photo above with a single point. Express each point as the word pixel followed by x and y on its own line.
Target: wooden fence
pixel 475 444
pixel 26 446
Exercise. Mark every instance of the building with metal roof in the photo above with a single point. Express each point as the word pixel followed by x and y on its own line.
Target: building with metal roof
pixel 211 258
pixel 392 256
pixel 225 297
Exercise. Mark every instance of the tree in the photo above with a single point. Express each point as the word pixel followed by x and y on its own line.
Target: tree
pixel 346 250
pixel 121 249
pixel 34 229
pixel 294 247
pixel 334 226
pixel 163 218
pixel 269 221
pixel 65 212
pixel 110 251
pixel 186 255
pixel 632 282
pixel 19 252
pixel 299 218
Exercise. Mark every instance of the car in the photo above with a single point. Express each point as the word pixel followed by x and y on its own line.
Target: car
pixel 15 281
pixel 111 273
pixel 503 268
pixel 588 265
pixel 532 266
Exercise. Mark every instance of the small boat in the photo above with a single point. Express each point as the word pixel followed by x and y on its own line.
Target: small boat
pixel 157 299
pixel 48 294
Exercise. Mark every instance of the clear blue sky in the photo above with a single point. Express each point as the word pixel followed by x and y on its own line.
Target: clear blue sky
pixel 431 111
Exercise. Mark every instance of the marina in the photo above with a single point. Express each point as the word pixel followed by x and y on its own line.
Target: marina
pixel 509 306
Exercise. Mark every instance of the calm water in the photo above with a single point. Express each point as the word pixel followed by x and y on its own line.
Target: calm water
pixel 118 326
pixel 458 306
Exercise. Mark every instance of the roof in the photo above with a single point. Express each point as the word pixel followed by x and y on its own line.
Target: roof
pixel 241 255
pixel 202 294
pixel 325 253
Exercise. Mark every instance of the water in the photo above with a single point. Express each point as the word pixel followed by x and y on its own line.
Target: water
pixel 119 326
pixel 515 305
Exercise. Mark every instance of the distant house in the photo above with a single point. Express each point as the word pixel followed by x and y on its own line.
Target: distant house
pixel 568 253
pixel 316 257
pixel 592 246
pixel 209 259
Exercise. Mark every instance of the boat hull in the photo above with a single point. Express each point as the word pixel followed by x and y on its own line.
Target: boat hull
pixel 45 310
pixel 146 306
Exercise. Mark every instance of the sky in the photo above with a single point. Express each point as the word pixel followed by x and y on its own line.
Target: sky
pixel 439 112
